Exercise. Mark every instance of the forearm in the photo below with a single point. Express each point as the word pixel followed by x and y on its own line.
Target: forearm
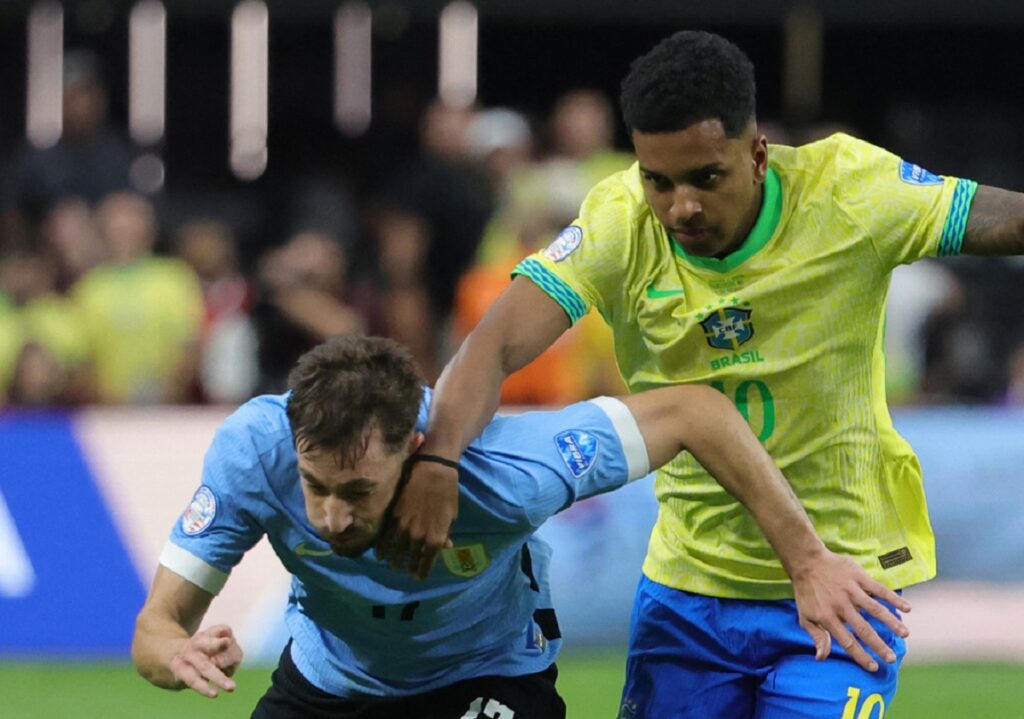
pixel 718 437
pixel 466 396
pixel 156 642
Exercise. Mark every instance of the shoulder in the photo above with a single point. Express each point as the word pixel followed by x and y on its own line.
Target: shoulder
pixel 838 166
pixel 257 428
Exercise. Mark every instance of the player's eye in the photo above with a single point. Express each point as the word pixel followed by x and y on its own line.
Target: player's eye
pixel 355 495
pixel 314 488
pixel 707 179
pixel 660 183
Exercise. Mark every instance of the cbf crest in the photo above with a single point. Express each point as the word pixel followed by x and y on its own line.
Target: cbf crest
pixel 728 327
pixel 467 561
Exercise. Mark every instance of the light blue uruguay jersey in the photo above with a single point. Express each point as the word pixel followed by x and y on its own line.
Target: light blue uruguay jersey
pixel 359 628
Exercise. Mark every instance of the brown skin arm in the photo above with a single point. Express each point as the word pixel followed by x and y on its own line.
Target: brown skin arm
pixel 168 651
pixel 830 590
pixel 519 326
pixel 995 224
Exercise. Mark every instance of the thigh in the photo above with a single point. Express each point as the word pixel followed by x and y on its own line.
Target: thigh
pixel 532 696
pixel 678 667
pixel 798 687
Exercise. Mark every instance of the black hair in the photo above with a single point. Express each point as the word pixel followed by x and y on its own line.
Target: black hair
pixel 688 77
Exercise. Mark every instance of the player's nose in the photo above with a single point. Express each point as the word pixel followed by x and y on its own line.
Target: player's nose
pixel 337 515
pixel 685 205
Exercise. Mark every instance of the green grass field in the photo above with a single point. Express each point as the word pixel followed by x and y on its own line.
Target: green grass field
pixel 589 682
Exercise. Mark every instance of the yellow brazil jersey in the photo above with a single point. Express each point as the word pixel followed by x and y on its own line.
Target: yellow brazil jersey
pixel 138 321
pixel 789 327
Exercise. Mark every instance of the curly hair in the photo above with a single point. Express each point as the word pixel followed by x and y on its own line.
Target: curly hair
pixel 345 387
pixel 688 77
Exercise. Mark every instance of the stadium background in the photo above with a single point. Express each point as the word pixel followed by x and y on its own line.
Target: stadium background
pixel 89 483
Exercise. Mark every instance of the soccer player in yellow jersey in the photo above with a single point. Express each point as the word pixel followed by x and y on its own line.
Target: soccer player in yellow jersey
pixel 760 271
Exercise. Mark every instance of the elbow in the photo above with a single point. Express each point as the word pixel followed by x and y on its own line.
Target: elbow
pixel 701 413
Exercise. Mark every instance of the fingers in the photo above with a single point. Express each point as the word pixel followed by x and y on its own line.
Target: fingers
pixel 400 548
pixel 852 647
pixel 879 590
pixel 855 635
pixel 201 662
pixel 883 614
pixel 821 638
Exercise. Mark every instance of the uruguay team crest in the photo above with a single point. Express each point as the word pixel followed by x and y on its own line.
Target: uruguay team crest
pixel 466 561
pixel 728 327
pixel 199 513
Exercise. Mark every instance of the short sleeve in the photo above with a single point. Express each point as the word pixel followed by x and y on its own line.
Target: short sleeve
pixel 219 524
pixel 906 210
pixel 545 461
pixel 585 265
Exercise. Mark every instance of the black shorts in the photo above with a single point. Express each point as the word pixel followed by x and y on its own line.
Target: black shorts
pixel 531 696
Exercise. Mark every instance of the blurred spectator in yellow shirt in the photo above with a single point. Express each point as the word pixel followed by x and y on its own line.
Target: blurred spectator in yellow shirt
pixel 141 314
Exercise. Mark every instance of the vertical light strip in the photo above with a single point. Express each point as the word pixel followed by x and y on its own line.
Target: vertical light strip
pixel 803 60
pixel 458 55
pixel 250 25
pixel 147 64
pixel 44 104
pixel 353 26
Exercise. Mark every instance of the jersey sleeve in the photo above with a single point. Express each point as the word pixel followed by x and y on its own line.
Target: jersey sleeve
pixel 218 526
pixel 907 211
pixel 586 263
pixel 545 461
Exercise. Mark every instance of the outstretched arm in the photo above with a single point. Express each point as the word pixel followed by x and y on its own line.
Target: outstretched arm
pixel 522 323
pixel 830 589
pixel 995 224
pixel 169 652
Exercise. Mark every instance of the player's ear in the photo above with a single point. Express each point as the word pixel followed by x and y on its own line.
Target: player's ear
pixel 416 440
pixel 759 157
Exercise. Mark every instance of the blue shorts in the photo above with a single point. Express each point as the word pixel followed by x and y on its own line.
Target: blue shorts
pixel 692 656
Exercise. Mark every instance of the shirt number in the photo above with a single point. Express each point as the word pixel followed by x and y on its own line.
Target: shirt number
pixel 749 396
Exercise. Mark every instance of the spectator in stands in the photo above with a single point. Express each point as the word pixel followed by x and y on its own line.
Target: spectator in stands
pixel 433 215
pixel 50 361
pixel 141 314
pixel 228 368
pixel 580 363
pixel 304 297
pixel 68 234
pixel 90 160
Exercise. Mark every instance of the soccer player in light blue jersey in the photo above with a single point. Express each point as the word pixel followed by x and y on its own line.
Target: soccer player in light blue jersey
pixel 316 471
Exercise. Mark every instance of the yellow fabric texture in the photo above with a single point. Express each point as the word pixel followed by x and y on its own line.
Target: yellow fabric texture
pixel 790 328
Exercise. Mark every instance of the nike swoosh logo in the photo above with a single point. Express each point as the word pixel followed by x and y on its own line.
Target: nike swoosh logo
pixel 655 294
pixel 304 550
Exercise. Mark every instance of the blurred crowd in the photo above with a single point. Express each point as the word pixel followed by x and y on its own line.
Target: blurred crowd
pixel 110 295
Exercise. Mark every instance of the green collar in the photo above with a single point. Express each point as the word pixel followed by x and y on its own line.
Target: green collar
pixel 760 233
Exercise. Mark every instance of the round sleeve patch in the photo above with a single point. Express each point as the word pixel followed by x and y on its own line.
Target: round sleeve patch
pixel 565 244
pixel 199 514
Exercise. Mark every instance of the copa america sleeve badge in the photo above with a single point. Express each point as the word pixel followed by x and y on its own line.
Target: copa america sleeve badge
pixel 199 513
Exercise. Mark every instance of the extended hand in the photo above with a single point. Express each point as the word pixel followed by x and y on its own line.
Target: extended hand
pixel 417 529
pixel 207 661
pixel 829 597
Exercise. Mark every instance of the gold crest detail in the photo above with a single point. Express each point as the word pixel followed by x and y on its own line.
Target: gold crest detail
pixel 466 561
